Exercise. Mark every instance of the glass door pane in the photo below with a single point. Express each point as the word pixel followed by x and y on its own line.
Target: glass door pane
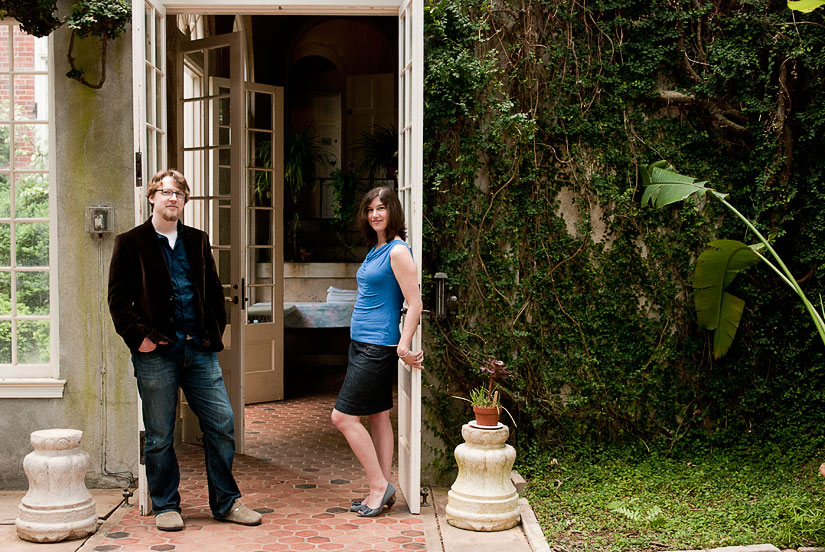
pixel 210 156
pixel 264 243
pixel 207 157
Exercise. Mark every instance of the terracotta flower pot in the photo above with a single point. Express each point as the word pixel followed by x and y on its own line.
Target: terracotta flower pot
pixel 487 415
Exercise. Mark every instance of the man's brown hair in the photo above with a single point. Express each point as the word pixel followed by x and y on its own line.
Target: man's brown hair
pixel 178 179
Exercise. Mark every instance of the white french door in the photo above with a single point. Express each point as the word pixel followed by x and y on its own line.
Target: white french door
pixel 264 318
pixel 210 116
pixel 150 135
pixel 410 189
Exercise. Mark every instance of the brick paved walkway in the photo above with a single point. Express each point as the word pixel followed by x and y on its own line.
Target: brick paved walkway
pixel 298 472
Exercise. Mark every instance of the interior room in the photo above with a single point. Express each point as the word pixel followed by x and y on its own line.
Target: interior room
pixel 337 131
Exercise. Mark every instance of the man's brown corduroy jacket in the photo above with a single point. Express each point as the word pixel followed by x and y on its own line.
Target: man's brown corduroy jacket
pixel 140 288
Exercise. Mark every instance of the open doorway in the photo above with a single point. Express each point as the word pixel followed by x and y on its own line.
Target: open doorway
pixel 341 99
pixel 239 82
pixel 318 114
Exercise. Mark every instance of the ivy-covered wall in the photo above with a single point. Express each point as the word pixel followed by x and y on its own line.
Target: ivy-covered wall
pixel 538 117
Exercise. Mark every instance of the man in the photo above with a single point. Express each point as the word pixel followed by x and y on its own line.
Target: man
pixel 167 303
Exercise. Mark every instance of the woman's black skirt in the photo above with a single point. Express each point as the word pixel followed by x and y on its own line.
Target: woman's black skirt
pixel 367 387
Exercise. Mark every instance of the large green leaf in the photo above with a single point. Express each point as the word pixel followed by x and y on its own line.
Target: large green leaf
pixel 664 186
pixel 732 308
pixel 805 6
pixel 716 309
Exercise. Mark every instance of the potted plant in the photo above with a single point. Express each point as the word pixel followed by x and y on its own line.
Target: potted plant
pixel 302 151
pixel 345 189
pixel 379 153
pixel 483 497
pixel 485 399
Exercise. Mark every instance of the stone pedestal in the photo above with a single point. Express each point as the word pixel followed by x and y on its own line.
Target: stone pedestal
pixel 58 506
pixel 483 498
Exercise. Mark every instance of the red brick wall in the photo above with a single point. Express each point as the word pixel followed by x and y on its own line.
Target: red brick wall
pixel 25 105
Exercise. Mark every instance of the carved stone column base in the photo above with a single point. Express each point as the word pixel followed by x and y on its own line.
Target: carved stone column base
pixel 57 506
pixel 483 498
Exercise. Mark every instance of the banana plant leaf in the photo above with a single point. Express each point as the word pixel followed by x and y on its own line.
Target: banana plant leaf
pixel 805 6
pixel 664 186
pixel 716 309
pixel 732 308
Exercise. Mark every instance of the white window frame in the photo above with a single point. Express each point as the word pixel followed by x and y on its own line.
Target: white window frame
pixel 284 7
pixel 16 380
pixel 151 140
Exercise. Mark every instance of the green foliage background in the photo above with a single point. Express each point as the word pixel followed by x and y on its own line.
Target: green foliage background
pixel 31 191
pixel 533 104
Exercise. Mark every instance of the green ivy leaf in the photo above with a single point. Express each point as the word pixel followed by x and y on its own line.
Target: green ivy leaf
pixel 103 18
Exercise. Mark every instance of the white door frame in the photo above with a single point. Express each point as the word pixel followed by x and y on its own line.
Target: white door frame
pixel 406 10
pixel 142 169
pixel 285 7
pixel 410 188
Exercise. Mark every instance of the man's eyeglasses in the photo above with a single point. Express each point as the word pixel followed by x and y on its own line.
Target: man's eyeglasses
pixel 170 193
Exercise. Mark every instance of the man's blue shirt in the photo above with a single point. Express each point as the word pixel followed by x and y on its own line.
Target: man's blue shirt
pixel 183 291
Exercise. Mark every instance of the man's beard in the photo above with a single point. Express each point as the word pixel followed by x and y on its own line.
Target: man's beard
pixel 165 215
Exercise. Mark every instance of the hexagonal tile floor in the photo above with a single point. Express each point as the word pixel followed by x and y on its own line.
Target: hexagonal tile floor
pixel 298 471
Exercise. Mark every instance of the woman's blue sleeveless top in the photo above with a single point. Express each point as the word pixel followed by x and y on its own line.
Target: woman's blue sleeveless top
pixel 377 312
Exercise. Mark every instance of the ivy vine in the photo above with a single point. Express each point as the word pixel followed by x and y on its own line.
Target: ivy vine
pixel 539 115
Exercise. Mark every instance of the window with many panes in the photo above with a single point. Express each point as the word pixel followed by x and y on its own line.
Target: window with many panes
pixel 154 91
pixel 26 315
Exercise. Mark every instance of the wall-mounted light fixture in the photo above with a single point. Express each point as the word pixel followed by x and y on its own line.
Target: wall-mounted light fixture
pixel 100 220
pixel 440 295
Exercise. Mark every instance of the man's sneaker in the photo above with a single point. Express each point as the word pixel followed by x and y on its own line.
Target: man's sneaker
pixel 241 515
pixel 169 521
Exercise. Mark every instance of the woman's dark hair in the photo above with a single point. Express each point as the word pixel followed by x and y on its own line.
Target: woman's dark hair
pixel 395 215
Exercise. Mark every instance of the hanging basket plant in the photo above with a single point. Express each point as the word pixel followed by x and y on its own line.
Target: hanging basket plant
pixel 105 19
pixel 36 17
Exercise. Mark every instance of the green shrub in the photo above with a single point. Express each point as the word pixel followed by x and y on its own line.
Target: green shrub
pixel 535 117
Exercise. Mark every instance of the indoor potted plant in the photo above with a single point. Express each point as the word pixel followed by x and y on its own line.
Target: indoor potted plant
pixel 302 153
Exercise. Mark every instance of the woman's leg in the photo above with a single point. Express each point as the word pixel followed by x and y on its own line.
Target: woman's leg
pixel 383 440
pixel 362 445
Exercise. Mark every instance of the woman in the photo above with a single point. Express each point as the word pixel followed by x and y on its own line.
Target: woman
pixel 386 279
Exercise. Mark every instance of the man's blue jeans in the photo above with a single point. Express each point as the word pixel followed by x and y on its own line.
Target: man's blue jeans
pixel 198 374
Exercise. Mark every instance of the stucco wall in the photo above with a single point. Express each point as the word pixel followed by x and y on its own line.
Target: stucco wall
pixel 94 166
